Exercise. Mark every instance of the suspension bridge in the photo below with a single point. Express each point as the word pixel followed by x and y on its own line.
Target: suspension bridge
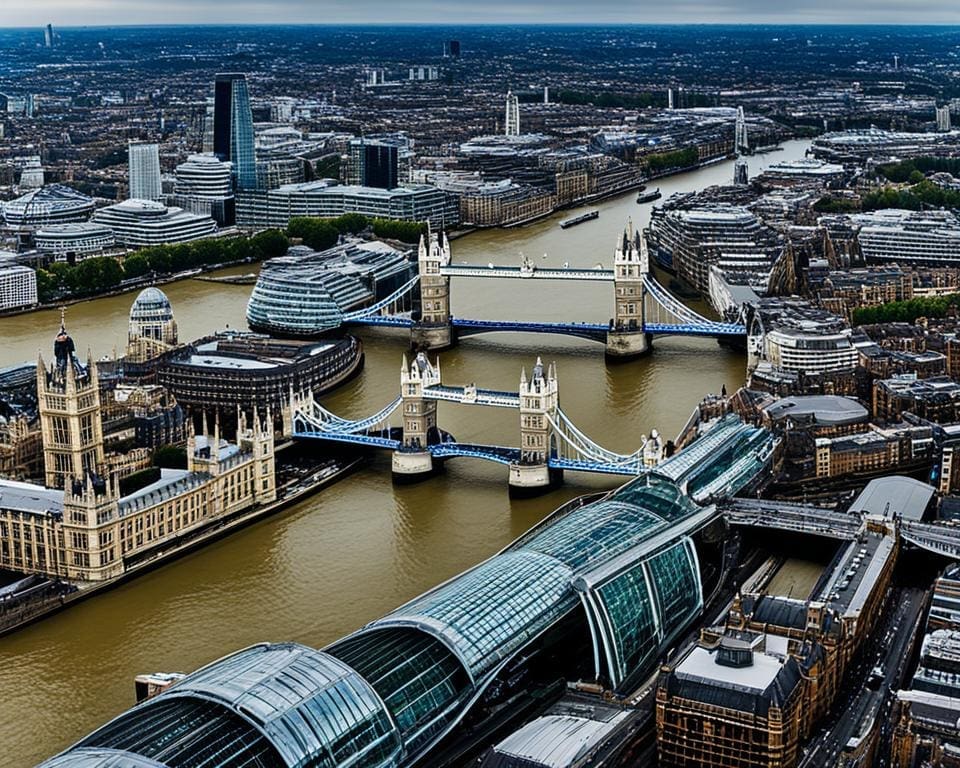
pixel 643 308
pixel 550 442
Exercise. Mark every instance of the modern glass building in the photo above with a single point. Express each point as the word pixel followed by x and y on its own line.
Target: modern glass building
pixel 143 166
pixel 233 128
pixel 305 294
pixel 595 592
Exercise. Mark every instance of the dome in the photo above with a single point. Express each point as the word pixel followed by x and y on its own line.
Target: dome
pixel 152 304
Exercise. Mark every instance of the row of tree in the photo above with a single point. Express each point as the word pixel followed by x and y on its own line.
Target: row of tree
pixel 913 170
pixel 678 158
pixel 924 194
pixel 320 234
pixel 100 274
pixel 906 311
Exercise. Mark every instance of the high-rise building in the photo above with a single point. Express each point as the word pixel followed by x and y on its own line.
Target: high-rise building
pixel 374 163
pixel 203 186
pixel 943 118
pixel 740 141
pixel 144 171
pixel 48 36
pixel 740 172
pixel 512 121
pixel 233 128
pixel 451 49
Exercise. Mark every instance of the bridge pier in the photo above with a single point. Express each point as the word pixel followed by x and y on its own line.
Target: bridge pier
pixel 529 480
pixel 432 336
pixel 624 345
pixel 408 466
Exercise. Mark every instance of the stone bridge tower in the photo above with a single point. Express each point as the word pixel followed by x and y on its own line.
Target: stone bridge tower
pixel 433 331
pixel 413 461
pixel 626 338
pixel 539 401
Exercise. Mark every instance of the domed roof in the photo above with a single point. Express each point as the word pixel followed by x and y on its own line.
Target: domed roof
pixel 151 297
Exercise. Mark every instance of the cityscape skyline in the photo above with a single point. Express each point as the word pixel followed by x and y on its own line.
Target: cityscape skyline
pixel 374 12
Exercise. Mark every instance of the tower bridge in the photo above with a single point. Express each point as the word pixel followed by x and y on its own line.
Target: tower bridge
pixel 643 308
pixel 718 464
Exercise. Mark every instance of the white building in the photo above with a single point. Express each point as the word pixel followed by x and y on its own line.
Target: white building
pixel 912 237
pixel 943 118
pixel 77 240
pixel 18 284
pixel 511 125
pixel 138 223
pixel 144 171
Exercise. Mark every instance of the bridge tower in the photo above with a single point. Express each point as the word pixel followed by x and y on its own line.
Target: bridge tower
pixel 413 460
pixel 434 330
pixel 539 401
pixel 626 338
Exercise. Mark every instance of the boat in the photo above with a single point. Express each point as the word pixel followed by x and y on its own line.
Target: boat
pixel 589 216
pixel 649 195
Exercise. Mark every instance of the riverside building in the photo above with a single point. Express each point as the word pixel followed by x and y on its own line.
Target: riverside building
pixel 140 223
pixel 52 204
pixel 328 199
pixel 305 293
pixel 909 237
pixel 75 241
pixel 203 187
pixel 79 527
pixel 144 170
pixel 18 285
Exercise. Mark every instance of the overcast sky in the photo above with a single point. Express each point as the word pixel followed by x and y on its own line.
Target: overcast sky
pixel 116 12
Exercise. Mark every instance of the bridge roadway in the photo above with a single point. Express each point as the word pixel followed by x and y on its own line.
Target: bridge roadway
pixel 786 516
pixel 472 396
pixel 530 273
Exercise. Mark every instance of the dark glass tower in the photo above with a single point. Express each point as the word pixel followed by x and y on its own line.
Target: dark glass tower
pixel 380 166
pixel 233 128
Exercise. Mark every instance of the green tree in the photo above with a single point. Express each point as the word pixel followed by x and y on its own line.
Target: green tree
pixel 270 243
pixel 135 265
pixel 170 457
pixel 47 286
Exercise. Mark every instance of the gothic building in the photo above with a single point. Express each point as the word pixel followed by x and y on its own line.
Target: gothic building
pixel 79 527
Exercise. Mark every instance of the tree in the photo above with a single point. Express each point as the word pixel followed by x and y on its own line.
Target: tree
pixel 170 457
pixel 270 244
pixel 47 287
pixel 135 265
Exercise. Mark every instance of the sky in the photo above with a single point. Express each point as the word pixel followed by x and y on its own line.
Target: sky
pixel 119 12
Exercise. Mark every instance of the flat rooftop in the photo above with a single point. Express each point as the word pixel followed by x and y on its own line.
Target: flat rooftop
pixel 894 495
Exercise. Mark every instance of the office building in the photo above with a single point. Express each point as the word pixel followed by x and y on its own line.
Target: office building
pixel 451 49
pixel 231 371
pixel 48 36
pixel 18 285
pixel 203 186
pixel 511 123
pixel 374 163
pixel 52 204
pixel 233 128
pixel 943 118
pixel 328 199
pixel 73 242
pixel 909 237
pixel 139 223
pixel 144 171
pixel 305 294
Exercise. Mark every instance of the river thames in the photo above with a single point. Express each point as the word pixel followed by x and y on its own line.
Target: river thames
pixel 360 548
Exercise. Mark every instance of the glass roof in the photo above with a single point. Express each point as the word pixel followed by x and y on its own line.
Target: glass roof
pixel 489 612
pixel 420 679
pixel 269 706
pixel 100 758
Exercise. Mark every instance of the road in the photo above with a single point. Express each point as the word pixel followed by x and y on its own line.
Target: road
pixel 862 697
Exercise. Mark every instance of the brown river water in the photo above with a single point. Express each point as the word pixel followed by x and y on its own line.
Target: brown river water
pixel 361 547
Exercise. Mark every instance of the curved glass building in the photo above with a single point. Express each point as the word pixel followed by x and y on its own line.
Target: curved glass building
pixel 305 293
pixel 52 204
pixel 595 592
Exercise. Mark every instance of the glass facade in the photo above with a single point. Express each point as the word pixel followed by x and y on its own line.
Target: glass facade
pixel 233 128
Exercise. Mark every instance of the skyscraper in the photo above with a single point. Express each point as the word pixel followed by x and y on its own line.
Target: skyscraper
pixel 233 128
pixel 740 141
pixel 451 49
pixel 48 36
pixel 512 122
pixel 144 171
pixel 943 118
pixel 374 163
